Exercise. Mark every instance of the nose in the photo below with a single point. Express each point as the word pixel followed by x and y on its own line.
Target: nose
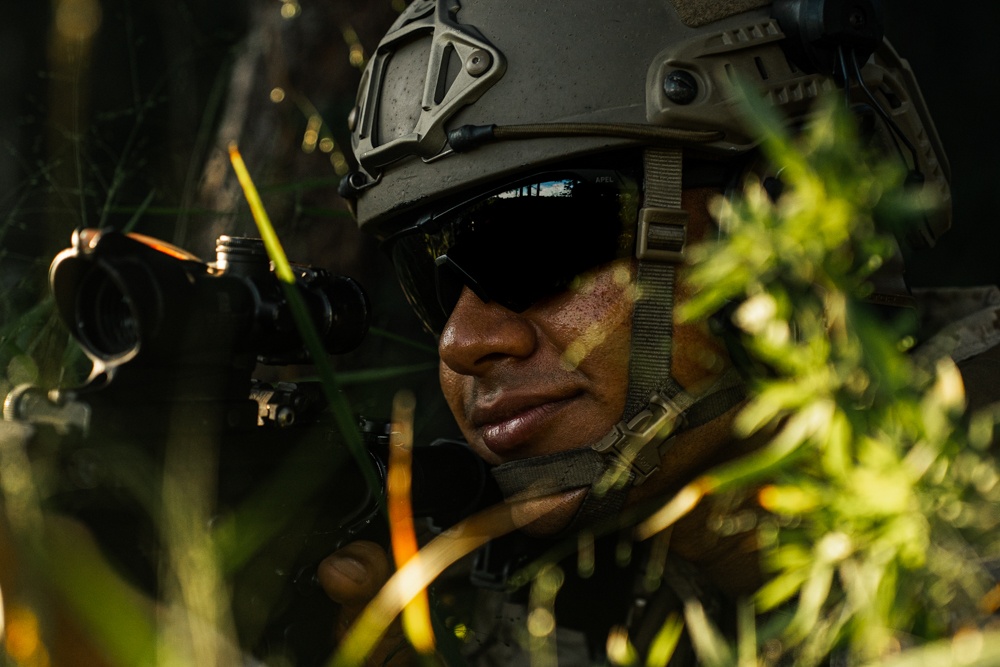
pixel 477 335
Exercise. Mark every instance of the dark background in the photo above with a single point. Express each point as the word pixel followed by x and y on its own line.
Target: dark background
pixel 131 127
pixel 955 58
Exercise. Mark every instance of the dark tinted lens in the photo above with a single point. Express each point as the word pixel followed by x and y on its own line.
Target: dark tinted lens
pixel 525 250
pixel 519 245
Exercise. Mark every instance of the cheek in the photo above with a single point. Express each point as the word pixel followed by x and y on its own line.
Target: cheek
pixel 592 332
pixel 452 386
pixel 593 328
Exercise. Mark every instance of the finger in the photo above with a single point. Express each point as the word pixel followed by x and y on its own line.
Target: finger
pixel 354 574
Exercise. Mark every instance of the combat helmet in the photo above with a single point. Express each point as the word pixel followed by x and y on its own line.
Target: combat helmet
pixel 464 99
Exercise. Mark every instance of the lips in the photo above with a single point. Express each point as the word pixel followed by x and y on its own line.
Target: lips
pixel 508 426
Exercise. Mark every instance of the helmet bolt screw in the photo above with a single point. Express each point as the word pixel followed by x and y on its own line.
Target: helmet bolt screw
pixel 478 62
pixel 680 87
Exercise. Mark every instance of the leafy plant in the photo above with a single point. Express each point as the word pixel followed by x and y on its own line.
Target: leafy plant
pixel 878 495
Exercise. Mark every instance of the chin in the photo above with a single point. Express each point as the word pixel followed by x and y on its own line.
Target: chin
pixel 549 515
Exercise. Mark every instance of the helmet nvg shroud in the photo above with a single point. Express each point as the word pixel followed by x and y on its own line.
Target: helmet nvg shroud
pixel 463 95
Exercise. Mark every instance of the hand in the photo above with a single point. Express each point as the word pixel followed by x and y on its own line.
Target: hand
pixel 351 577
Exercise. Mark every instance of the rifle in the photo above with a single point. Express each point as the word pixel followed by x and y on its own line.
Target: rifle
pixel 174 342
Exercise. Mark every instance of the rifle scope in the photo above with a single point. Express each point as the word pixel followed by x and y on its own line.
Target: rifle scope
pixel 131 298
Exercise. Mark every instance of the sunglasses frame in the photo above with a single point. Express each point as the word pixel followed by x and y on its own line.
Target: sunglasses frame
pixel 625 180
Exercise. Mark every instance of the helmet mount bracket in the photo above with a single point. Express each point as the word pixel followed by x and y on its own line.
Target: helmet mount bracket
pixel 461 65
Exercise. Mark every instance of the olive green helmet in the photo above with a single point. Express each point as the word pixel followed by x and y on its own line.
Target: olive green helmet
pixel 467 92
pixel 469 107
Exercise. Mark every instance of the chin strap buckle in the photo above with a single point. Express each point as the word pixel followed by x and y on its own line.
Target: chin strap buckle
pixel 638 445
pixel 662 234
pixel 635 445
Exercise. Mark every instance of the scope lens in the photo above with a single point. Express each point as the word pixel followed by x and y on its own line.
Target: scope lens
pixel 106 320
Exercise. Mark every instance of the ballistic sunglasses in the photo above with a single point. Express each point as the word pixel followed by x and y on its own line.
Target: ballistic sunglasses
pixel 517 244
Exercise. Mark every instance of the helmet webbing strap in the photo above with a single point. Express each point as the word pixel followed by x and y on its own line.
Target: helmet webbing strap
pixel 660 235
pixel 660 240
pixel 656 406
pixel 551 473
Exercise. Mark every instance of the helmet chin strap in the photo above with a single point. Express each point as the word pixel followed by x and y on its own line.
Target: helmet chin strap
pixel 657 407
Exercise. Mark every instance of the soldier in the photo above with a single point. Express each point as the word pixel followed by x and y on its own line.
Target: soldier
pixel 535 171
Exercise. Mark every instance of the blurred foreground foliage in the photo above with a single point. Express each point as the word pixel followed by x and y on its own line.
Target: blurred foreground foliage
pixel 879 496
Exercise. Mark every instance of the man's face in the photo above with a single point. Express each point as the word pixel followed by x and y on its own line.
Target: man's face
pixel 547 380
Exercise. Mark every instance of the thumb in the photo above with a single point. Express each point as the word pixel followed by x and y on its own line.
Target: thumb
pixel 354 574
